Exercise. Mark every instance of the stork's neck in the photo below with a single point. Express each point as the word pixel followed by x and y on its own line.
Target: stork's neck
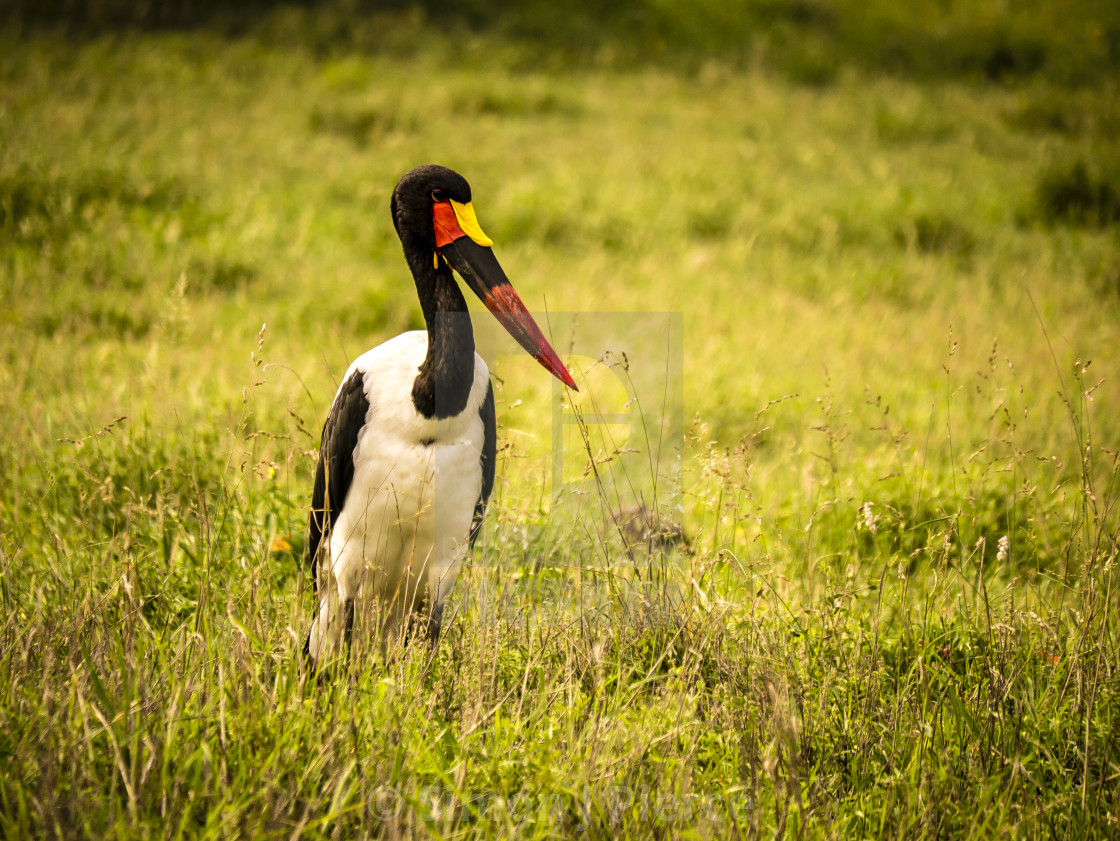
pixel 443 385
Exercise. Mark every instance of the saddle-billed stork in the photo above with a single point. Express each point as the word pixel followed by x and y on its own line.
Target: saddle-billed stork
pixel 406 463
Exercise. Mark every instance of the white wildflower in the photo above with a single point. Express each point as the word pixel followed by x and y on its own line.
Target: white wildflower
pixel 868 519
pixel 1003 549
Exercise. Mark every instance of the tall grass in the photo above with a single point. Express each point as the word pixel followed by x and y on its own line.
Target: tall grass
pixel 891 609
pixel 866 671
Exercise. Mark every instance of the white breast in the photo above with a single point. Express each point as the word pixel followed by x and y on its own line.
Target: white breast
pixel 403 529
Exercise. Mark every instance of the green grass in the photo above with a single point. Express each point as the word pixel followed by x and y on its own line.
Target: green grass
pixel 899 283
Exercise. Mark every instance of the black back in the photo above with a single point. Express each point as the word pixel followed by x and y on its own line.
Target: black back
pixel 335 470
pixel 488 458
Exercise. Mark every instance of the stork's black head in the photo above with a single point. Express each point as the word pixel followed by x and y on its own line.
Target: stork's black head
pixel 434 218
pixel 414 197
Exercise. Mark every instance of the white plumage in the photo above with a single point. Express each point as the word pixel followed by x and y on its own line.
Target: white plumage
pixel 402 534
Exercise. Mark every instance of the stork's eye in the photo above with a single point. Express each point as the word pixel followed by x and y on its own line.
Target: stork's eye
pixel 438 195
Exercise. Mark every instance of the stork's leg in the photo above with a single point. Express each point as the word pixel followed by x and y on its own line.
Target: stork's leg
pixel 435 624
pixel 332 630
pixel 348 626
pixel 441 579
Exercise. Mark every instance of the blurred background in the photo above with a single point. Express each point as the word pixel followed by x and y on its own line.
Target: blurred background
pixel 888 236
pixel 863 204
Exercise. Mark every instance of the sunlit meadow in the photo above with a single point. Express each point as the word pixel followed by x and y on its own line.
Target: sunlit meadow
pixel 841 561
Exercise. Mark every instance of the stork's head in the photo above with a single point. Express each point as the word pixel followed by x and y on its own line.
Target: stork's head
pixel 436 222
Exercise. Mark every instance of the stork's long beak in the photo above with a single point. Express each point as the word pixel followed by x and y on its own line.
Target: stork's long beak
pixel 467 250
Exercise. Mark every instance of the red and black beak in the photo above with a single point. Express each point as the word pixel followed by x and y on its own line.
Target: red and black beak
pixel 467 250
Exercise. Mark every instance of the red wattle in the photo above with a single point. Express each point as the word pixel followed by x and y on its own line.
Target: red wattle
pixel 446 224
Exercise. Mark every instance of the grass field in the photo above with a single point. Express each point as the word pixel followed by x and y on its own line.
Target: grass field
pixel 894 249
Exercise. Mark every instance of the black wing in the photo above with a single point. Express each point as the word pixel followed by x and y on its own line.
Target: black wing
pixel 336 464
pixel 488 458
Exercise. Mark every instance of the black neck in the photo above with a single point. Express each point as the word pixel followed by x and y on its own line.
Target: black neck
pixel 443 385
